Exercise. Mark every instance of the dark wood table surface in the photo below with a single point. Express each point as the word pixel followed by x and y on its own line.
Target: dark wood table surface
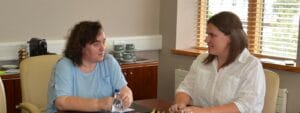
pixel 157 104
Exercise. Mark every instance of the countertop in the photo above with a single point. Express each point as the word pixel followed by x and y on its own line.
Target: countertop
pixel 6 71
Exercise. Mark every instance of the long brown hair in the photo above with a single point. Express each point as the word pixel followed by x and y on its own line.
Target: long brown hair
pixel 83 33
pixel 231 25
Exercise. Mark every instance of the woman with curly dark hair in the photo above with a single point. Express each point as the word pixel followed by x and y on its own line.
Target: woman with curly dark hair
pixel 85 78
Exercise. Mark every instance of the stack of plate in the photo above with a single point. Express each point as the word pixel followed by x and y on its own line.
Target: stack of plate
pixel 9 69
pixel 9 66
pixel 129 54
pixel 124 53
pixel 118 51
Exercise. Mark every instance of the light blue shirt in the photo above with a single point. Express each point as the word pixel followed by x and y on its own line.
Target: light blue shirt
pixel 68 80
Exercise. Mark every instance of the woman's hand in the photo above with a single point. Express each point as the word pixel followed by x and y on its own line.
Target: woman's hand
pixel 126 99
pixel 126 96
pixel 106 103
pixel 181 101
pixel 177 108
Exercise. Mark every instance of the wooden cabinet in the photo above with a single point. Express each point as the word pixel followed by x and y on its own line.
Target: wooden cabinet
pixel 12 92
pixel 142 79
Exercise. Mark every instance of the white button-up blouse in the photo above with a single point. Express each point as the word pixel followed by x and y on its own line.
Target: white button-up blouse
pixel 241 82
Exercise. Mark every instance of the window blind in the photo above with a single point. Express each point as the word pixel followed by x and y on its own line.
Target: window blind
pixel 201 24
pixel 272 26
pixel 280 24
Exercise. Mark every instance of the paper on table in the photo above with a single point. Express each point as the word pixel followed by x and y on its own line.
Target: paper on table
pixel 12 71
pixel 128 110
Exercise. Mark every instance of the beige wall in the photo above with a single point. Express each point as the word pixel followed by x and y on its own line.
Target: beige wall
pixel 169 62
pixel 51 19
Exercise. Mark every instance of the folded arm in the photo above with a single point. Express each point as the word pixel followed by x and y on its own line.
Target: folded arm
pixel 227 108
pixel 74 103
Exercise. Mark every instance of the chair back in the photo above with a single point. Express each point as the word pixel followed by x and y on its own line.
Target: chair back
pixel 272 87
pixel 2 98
pixel 35 73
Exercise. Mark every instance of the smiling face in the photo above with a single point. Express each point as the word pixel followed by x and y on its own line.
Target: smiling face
pixel 94 52
pixel 218 43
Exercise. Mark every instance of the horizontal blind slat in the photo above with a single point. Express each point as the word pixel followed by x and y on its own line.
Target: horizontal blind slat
pixel 278 22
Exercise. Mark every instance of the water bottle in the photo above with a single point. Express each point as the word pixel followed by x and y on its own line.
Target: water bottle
pixel 117 106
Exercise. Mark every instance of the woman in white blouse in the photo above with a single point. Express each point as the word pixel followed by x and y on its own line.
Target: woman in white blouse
pixel 227 79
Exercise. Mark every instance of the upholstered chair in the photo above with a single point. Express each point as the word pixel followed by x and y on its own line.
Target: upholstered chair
pixel 35 73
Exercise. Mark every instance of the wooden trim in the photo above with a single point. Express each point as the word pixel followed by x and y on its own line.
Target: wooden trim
pixel 195 52
pixel 144 64
pixel 188 52
pixel 10 77
pixel 282 67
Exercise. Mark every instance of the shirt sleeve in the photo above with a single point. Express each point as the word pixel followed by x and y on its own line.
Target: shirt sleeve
pixel 63 78
pixel 252 91
pixel 187 85
pixel 117 78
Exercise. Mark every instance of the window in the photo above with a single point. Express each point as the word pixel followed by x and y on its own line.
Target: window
pixel 272 25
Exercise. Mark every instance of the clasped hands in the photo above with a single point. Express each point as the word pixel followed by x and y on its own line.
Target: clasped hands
pixel 126 101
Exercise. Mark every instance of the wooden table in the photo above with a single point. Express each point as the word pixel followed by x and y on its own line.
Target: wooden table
pixel 157 104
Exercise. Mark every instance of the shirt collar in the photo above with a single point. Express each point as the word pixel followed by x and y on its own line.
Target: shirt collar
pixel 244 55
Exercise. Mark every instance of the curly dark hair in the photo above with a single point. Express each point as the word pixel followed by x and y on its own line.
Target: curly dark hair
pixel 83 33
pixel 231 25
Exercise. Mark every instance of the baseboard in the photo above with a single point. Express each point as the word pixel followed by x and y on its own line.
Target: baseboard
pixel 9 50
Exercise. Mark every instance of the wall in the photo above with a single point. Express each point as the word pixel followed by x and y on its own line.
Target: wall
pixel 51 19
pixel 169 62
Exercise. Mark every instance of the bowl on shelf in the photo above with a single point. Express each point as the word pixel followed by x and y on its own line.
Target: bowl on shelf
pixel 117 55
pixel 119 48
pixel 9 66
pixel 129 47
pixel 128 56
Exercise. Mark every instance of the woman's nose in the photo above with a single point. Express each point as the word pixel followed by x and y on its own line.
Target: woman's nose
pixel 102 47
pixel 206 39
